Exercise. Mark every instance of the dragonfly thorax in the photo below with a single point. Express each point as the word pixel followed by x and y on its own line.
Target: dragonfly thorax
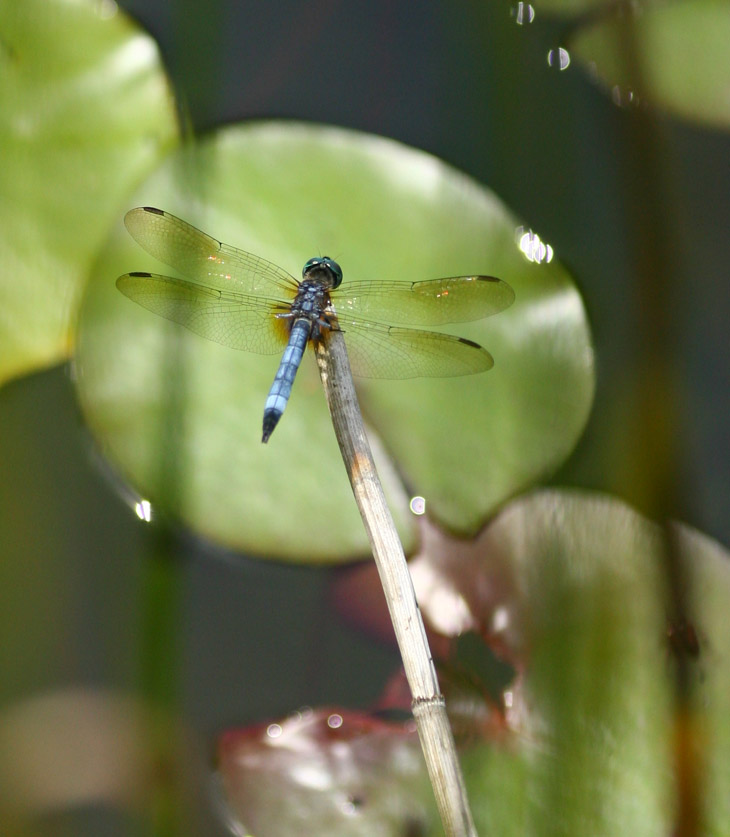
pixel 311 301
pixel 325 270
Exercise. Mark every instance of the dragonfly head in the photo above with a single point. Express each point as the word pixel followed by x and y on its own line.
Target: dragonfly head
pixel 323 268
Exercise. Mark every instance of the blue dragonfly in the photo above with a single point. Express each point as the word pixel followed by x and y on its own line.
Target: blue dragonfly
pixel 245 302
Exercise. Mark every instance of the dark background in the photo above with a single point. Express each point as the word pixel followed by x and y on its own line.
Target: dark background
pixel 611 189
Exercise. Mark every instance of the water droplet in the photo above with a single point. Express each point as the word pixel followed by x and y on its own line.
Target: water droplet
pixel 334 721
pixel 143 510
pixel 559 58
pixel 418 505
pixel 274 730
pixel 623 97
pixel 522 13
pixel 533 247
pixel 500 619
pixel 302 714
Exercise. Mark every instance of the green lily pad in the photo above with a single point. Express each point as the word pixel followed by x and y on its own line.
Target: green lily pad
pixel 585 613
pixel 670 55
pixel 181 416
pixel 570 587
pixel 85 112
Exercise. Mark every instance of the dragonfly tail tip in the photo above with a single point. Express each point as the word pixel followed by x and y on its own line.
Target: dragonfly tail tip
pixel 271 419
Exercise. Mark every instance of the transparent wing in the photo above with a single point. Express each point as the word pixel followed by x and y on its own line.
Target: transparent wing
pixel 204 259
pixel 433 302
pixel 236 320
pixel 380 351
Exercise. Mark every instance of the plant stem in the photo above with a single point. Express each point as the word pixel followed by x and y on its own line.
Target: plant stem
pixel 429 707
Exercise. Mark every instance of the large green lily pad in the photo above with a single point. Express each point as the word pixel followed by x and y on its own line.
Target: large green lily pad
pixel 181 416
pixel 85 112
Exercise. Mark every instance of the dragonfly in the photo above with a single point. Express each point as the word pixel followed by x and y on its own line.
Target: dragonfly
pixel 242 301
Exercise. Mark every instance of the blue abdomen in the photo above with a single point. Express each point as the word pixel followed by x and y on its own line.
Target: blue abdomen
pixel 281 388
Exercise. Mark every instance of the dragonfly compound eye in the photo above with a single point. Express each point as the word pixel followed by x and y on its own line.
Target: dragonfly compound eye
pixel 324 263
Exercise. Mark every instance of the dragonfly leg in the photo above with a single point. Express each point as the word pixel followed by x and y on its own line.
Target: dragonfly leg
pixel 322 324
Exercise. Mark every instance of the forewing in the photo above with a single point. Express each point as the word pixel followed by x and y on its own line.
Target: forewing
pixel 232 319
pixel 433 302
pixel 204 259
pixel 379 351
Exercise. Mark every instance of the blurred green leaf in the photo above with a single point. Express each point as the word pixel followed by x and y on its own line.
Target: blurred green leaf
pixel 570 587
pixel 588 601
pixel 181 416
pixel 670 55
pixel 710 594
pixel 85 111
